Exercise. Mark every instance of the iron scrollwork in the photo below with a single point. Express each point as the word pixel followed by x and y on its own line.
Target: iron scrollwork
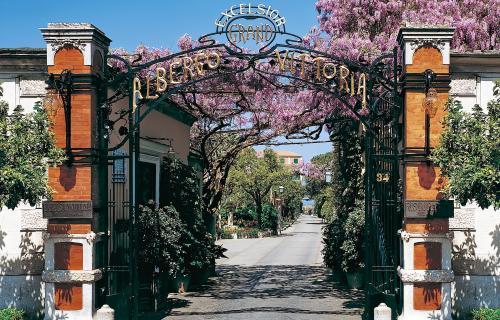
pixel 63 85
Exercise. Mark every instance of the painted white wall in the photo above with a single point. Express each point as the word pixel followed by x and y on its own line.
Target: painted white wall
pixel 476 242
pixel 22 259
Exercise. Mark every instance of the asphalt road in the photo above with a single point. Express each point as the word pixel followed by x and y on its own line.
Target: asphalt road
pixel 271 279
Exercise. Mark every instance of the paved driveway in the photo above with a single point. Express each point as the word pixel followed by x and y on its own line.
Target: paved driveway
pixel 272 278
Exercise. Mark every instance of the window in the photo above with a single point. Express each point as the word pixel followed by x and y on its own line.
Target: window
pixel 282 160
pixel 296 161
pixel 118 175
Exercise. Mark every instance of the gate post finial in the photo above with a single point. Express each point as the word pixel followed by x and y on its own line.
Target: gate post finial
pixel 382 312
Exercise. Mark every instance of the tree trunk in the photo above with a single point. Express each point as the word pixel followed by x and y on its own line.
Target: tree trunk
pixel 258 209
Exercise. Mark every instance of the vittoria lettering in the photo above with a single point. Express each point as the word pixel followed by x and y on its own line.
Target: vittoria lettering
pixel 323 70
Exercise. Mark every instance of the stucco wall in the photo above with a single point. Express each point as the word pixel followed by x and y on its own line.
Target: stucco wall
pixel 22 259
pixel 476 242
pixel 21 91
pixel 156 127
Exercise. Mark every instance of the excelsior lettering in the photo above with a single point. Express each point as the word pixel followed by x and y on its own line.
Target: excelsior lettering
pixel 248 9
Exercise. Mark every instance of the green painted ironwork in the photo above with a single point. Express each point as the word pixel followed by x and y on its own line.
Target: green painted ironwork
pixel 383 189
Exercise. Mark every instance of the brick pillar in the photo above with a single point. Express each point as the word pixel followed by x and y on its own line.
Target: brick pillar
pixel 426 267
pixel 71 264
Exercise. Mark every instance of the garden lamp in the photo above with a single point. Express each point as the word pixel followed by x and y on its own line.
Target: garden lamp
pixel 429 105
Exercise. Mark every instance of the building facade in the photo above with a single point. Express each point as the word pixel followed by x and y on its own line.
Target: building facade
pixel 46 269
pixel 286 158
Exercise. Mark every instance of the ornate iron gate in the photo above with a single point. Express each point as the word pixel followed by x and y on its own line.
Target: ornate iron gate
pixel 381 96
pixel 383 210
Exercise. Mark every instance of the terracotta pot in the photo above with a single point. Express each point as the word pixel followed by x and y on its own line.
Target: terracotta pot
pixel 182 283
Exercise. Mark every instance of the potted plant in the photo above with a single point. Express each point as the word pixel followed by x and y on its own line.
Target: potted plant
pixel 353 247
pixel 161 254
pixel 200 250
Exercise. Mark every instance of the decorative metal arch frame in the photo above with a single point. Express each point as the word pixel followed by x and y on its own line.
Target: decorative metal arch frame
pixel 378 72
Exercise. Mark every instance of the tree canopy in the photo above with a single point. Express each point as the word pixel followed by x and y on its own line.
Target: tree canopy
pixel 253 177
pixel 27 147
pixel 469 153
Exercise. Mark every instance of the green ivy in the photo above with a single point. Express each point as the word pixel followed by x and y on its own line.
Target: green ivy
pixel 11 314
pixel 27 147
pixel 344 205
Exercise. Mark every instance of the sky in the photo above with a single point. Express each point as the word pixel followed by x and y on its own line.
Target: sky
pixel 153 23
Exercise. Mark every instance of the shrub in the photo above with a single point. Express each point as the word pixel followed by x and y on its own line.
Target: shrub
pixel 199 248
pixel 11 314
pixel 160 231
pixel 269 217
pixel 333 237
pixel 468 152
pixel 27 147
pixel 353 246
pixel 246 214
pixel 486 314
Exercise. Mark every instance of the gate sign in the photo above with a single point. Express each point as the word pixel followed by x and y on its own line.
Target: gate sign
pixel 244 26
pixel 247 23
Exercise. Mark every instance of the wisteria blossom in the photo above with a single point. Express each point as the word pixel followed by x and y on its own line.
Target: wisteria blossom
pixel 361 29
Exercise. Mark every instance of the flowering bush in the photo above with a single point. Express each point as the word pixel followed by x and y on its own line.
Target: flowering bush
pixel 11 314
